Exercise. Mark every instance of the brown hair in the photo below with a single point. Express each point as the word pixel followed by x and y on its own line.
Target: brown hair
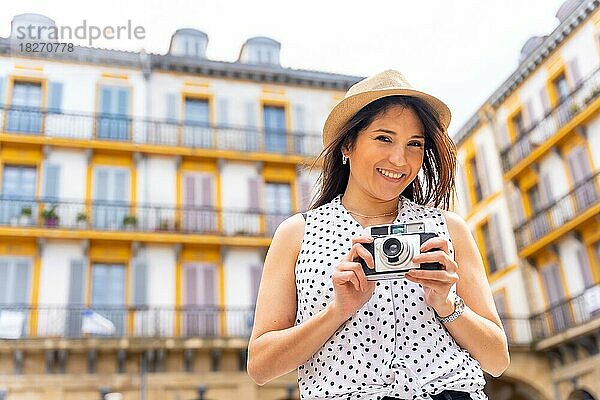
pixel 436 186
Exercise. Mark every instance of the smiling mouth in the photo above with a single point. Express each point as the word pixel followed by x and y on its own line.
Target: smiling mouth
pixel 390 174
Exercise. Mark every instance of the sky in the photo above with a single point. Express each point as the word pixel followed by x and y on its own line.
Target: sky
pixel 459 50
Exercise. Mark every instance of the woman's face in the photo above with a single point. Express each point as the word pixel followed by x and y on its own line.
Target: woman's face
pixel 388 154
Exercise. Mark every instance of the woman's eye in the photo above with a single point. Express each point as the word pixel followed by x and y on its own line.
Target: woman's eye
pixel 416 144
pixel 383 138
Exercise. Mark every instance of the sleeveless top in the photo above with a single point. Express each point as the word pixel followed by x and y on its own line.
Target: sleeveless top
pixel 392 346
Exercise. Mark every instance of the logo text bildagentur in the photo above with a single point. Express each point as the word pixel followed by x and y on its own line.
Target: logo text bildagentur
pixel 83 32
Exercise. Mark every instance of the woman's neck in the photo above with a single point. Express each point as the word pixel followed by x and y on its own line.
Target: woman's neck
pixel 361 203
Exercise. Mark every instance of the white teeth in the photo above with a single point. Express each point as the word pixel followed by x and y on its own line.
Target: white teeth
pixel 390 174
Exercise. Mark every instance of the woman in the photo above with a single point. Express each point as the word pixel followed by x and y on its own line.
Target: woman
pixel 387 159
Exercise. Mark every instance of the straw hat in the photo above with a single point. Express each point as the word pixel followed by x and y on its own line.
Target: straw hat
pixel 384 84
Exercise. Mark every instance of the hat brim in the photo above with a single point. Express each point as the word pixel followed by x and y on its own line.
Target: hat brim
pixel 349 106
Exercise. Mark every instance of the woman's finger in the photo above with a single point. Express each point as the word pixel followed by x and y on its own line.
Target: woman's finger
pixel 343 277
pixel 435 243
pixel 358 271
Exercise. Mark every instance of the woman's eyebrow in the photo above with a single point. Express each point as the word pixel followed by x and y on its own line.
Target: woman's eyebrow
pixel 420 136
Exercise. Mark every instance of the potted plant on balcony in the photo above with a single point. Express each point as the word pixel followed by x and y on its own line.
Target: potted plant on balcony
pixel 164 225
pixel 25 216
pixel 129 222
pixel 81 219
pixel 50 217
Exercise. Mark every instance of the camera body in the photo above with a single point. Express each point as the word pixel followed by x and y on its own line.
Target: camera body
pixel 394 246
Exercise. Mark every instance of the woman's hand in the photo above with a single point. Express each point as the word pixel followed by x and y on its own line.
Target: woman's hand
pixel 352 290
pixel 437 283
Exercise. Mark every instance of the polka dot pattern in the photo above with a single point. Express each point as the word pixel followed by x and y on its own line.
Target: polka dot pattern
pixel 394 345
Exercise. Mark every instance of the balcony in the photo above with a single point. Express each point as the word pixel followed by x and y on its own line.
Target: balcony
pixel 578 314
pixel 125 217
pixel 557 214
pixel 117 322
pixel 108 128
pixel 541 131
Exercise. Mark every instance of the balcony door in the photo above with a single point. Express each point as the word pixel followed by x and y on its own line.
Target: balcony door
pixel 111 197
pixel 200 311
pixel 198 197
pixel 15 287
pixel 279 205
pixel 197 128
pixel 25 115
pixel 108 294
pixel 275 132
pixel 558 309
pixel 580 171
pixel 113 122
pixel 18 195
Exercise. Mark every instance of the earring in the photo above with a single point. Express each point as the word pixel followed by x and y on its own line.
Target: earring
pixel 344 159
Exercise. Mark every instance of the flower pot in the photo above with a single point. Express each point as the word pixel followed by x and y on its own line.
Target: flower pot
pixel 51 222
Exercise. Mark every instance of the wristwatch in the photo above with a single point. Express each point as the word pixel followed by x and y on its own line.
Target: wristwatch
pixel 459 308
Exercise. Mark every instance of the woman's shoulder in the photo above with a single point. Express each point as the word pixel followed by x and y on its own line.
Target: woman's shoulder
pixel 290 232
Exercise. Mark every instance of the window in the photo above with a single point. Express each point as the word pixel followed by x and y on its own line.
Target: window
pixel 535 199
pixel 275 132
pixel 278 204
pixel 18 194
pixel 25 115
pixel 111 197
pixel 474 173
pixel 108 293
pixel 197 131
pixel 15 285
pixel 561 87
pixel 490 258
pixel 518 125
pixel 113 122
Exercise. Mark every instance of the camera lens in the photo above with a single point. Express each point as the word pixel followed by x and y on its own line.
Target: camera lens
pixel 392 247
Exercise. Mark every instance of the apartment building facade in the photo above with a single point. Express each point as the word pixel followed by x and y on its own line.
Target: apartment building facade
pixel 529 188
pixel 138 195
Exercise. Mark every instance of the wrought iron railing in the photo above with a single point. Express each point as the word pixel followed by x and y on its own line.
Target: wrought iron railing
pixel 123 216
pixel 558 318
pixel 540 131
pixel 123 128
pixel 120 321
pixel 585 195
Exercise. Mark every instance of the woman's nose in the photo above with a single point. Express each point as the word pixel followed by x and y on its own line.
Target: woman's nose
pixel 397 157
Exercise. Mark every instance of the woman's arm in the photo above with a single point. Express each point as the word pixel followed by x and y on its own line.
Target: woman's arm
pixel 479 329
pixel 276 346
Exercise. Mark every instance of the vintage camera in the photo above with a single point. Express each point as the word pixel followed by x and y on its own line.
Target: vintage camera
pixel 394 246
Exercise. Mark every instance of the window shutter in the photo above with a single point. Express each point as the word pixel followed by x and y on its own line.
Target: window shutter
pixel 140 282
pixel 497 240
pixel 553 285
pixel 545 187
pixel 464 189
pixel 123 102
pixel 51 181
pixel 77 282
pixel 190 275
pixel 121 185
pixel 579 164
pixel 207 284
pixel 254 192
pixel 573 71
pixel 251 114
pixel 517 204
pixel 222 111
pixel 106 100
pixel 255 275
pixel 305 195
pixel 528 115
pixel 101 184
pixel 189 189
pixel 584 267
pixel 545 101
pixel 502 134
pixel 299 122
pixel 55 97
pixel 172 107
pixel 482 170
pixel 2 90
pixel 4 283
pixel 499 301
pixel 22 274
pixel 207 190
